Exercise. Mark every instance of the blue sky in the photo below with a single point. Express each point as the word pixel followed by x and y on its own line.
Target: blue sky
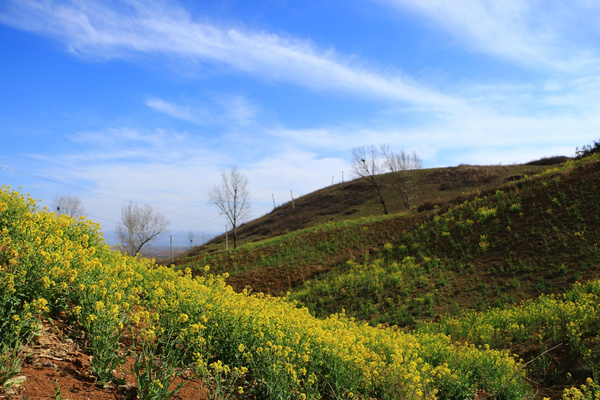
pixel 150 101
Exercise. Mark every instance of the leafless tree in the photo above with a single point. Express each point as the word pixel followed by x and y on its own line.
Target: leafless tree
pixel 403 167
pixel 69 205
pixel 139 225
pixel 233 198
pixel 367 164
pixel 197 239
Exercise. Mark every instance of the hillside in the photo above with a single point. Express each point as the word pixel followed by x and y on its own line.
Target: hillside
pixel 501 246
pixel 356 199
pixel 535 236
pixel 336 224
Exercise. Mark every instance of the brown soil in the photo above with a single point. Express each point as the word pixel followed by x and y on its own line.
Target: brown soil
pixel 57 367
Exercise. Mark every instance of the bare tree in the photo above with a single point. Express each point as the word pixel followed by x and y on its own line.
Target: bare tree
pixel 403 167
pixel 367 164
pixel 139 225
pixel 233 198
pixel 193 238
pixel 69 205
pixel 197 239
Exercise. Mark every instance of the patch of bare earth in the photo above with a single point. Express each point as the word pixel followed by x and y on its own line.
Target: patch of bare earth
pixel 57 367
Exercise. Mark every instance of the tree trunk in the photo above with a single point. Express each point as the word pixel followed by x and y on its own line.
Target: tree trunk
pixel 234 237
pixel 385 210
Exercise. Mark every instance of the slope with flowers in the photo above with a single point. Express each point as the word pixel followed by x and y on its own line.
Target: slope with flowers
pixel 509 243
pixel 535 241
pixel 161 329
pixel 535 236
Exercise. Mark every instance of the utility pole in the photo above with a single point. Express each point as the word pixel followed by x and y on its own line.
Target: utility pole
pixel 273 196
pixel 171 236
pixel 292 196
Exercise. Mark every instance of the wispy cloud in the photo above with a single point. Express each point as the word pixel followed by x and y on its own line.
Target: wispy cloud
pixel 238 110
pixel 232 110
pixel 95 30
pixel 484 138
pixel 176 111
pixel 173 170
pixel 530 33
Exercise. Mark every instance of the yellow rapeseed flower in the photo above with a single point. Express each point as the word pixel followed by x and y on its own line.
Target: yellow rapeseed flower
pixel 183 318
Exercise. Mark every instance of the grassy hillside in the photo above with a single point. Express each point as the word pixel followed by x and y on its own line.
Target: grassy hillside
pixel 535 236
pixel 160 329
pixel 336 224
pixel 441 269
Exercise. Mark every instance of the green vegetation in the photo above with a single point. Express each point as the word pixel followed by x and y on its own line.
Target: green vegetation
pixel 490 294
pixel 536 235
pixel 356 199
pixel 173 323
pixel 297 256
pixel 534 230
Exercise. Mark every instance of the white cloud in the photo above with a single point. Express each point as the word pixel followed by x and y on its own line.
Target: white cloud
pixel 177 111
pixel 129 144
pixel 293 169
pixel 459 138
pixel 530 33
pixel 94 30
pixel 238 110
pixel 173 172
pixel 230 110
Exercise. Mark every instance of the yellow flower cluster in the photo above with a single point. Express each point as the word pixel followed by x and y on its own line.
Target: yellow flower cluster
pixel 589 391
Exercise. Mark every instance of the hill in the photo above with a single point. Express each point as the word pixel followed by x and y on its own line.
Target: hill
pixel 538 235
pixel 339 223
pixel 356 199
pixel 531 235
pixel 79 320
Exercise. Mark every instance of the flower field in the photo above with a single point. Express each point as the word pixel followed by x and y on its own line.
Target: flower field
pixel 241 346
